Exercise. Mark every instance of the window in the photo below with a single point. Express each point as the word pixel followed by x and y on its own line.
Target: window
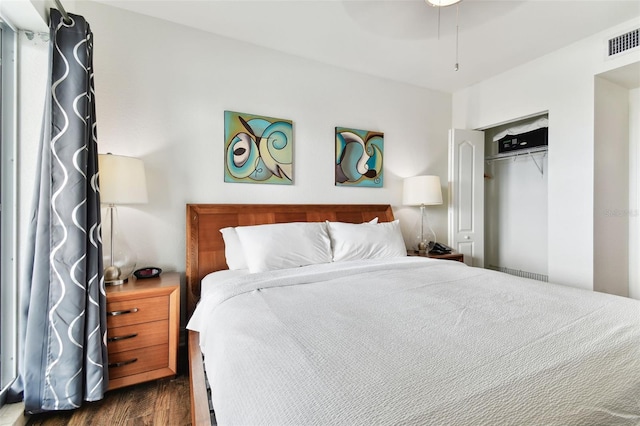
pixel 8 282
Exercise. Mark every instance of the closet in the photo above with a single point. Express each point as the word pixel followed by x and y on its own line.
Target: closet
pixel 515 197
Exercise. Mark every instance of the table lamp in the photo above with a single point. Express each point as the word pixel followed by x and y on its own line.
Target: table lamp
pixel 122 181
pixel 423 191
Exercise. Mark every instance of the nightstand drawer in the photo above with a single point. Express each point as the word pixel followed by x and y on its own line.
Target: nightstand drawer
pixel 137 311
pixel 137 336
pixel 143 316
pixel 138 361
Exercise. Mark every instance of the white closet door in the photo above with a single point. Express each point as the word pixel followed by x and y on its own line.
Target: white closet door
pixel 466 194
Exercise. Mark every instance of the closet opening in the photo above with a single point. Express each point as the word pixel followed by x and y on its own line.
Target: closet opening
pixel 515 197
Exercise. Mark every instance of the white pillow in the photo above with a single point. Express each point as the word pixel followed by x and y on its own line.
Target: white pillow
pixel 284 245
pixel 366 241
pixel 233 252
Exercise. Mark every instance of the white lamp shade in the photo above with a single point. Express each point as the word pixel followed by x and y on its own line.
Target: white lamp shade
pixel 122 180
pixel 422 190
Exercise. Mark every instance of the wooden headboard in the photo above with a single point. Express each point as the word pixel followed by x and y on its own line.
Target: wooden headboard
pixel 205 247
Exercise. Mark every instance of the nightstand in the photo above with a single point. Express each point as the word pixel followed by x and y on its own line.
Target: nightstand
pixel 459 257
pixel 143 320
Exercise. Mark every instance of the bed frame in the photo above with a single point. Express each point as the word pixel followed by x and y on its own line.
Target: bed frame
pixel 205 254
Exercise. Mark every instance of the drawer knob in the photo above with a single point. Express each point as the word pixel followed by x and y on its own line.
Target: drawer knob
pixel 128 311
pixel 116 338
pixel 122 363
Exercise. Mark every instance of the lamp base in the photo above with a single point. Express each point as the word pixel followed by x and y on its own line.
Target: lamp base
pixel 116 282
pixel 422 247
pixel 426 238
pixel 425 246
pixel 112 276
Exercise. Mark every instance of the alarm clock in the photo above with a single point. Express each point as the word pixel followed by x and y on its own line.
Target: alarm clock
pixel 148 272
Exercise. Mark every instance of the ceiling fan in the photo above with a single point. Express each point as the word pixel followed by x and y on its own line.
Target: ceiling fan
pixel 442 3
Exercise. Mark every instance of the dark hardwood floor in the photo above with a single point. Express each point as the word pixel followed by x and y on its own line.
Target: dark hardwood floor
pixel 162 402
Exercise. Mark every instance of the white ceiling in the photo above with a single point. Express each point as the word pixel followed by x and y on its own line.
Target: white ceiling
pixel 398 39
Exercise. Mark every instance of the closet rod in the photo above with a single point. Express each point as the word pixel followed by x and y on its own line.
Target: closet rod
pixel 515 154
pixel 65 15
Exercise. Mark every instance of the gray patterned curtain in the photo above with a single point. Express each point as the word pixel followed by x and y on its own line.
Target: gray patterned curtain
pixel 63 306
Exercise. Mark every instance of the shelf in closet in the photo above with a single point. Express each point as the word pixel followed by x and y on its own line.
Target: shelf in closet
pixel 520 153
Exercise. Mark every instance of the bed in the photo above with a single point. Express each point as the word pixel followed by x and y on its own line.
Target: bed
pixel 367 336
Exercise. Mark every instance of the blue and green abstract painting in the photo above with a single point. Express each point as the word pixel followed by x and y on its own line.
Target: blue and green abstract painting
pixel 359 157
pixel 258 149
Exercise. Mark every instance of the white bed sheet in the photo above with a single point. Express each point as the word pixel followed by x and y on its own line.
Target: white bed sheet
pixel 209 282
pixel 417 341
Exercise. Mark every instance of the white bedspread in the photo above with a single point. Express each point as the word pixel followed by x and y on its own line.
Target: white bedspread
pixel 414 341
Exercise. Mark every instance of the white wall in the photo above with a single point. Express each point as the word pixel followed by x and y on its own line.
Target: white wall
pixel 161 91
pixel 23 15
pixel 611 188
pixel 561 83
pixel 634 193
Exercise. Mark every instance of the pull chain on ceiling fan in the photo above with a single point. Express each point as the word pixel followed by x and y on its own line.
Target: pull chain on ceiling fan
pixel 444 3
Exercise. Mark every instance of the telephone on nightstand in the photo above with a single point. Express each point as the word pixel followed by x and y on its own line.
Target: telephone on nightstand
pixel 440 248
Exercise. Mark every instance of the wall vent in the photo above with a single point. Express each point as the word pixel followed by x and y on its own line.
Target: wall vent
pixel 623 42
pixel 519 273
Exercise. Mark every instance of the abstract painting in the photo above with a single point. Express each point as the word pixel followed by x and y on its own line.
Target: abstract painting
pixel 359 157
pixel 258 149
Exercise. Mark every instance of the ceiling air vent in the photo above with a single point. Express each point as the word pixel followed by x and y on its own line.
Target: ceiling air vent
pixel 623 42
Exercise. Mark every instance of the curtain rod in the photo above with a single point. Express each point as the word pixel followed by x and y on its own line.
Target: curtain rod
pixel 65 15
